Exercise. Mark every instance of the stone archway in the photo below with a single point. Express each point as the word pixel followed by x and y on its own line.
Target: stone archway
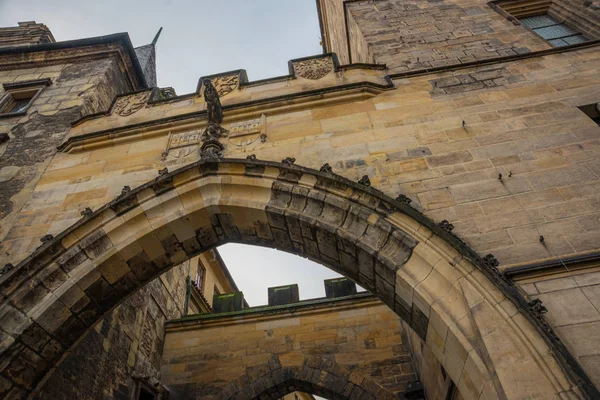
pixel 473 321
pixel 312 375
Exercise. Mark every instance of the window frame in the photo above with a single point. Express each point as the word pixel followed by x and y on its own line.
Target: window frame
pixel 200 285
pixel 156 392
pixel 556 23
pixel 31 89
pixel 498 6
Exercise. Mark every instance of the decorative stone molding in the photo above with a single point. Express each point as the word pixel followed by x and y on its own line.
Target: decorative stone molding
pixel 249 127
pixel 127 105
pixel 314 69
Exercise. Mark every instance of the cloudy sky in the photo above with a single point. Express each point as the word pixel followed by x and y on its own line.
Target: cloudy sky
pixel 200 37
pixel 203 37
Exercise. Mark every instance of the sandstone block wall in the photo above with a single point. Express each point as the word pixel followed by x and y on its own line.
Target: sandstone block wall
pixel 126 344
pixel 521 121
pixel 408 35
pixel 25 34
pixel 364 337
pixel 573 301
pixel 76 89
pixel 581 14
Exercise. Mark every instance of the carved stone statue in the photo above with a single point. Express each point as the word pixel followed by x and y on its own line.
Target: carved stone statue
pixel 214 130
pixel 211 147
pixel 213 103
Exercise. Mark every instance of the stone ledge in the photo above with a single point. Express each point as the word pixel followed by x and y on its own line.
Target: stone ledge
pixel 302 307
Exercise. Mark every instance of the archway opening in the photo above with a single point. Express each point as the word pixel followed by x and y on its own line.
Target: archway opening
pixel 255 269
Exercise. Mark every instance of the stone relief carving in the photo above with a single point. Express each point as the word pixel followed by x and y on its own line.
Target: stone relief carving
pixel 226 84
pixel 183 144
pixel 245 132
pixel 180 145
pixel 127 105
pixel 313 69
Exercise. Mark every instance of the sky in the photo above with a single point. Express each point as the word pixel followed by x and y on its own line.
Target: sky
pixel 203 37
pixel 200 37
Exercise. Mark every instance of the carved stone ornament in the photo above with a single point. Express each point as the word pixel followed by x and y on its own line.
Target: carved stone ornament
pixel 248 127
pixel 127 105
pixel 213 131
pixel 211 149
pixel 365 180
pixel 491 261
pixel 404 199
pixel 226 84
pixel 445 225
pixel 288 161
pixel 537 307
pixel 315 68
pixel 326 168
pixel 211 146
pixel 7 268
pixel 125 191
pixel 181 144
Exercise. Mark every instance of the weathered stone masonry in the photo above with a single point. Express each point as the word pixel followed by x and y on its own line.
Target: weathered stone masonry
pixel 357 342
pixel 488 146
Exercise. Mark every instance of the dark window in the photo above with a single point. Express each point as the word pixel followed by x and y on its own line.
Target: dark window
pixel 200 277
pixel 19 96
pixel 145 394
pixel 554 32
pixel 20 105
pixel 592 111
pixel 540 18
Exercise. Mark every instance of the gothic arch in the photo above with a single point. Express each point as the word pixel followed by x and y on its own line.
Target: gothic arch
pixel 312 375
pixel 477 325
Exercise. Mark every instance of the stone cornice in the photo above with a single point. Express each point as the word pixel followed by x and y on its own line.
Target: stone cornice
pixel 554 266
pixel 267 313
pixel 496 60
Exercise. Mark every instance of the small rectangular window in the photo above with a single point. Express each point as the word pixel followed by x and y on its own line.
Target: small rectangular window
pixel 538 16
pixel 199 282
pixel 19 96
pixel 554 32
